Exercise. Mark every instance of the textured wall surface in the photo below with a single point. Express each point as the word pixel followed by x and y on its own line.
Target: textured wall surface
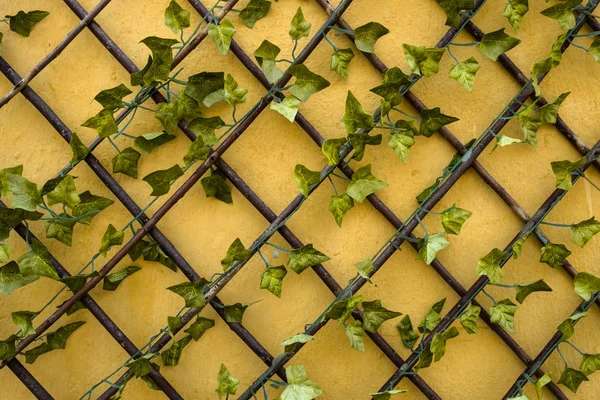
pixel 475 367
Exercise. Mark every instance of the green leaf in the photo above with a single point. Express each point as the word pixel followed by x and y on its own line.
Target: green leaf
pixel 454 218
pixel 226 383
pixel 355 333
pixel 366 36
pixel 192 292
pixel 490 265
pixel 432 318
pixel 197 151
pixel 594 49
pixel 11 278
pixel 525 289
pixel 64 193
pixel 78 149
pixel 148 142
pixel 255 10
pixel 365 268
pixel 438 343
pixel 299 27
pixel 215 186
pixel 359 141
pixel 363 183
pixel 54 341
pixel 464 73
pixel 425 359
pixel 305 178
pixel 331 149
pixel 235 312
pixel 496 43
pixel 305 257
pixel 432 120
pixel 36 262
pixel 423 61
pixel 530 124
pixel 160 66
pixel 402 138
pixel 203 84
pixel 126 162
pixel 430 246
pixel 503 314
pixel 549 112
pixel 452 8
pixel 514 12
pixel 387 394
pixel 233 93
pixel 342 309
pixel 4 253
pixel 586 285
pixel 160 181
pixel 590 363
pixel 169 114
pixel 291 343
pixel 176 18
pixel 468 319
pixel 235 253
pixel 354 117
pixel 583 232
pixel 541 382
pixel 339 207
pixel 562 12
pixel 88 203
pixel 173 324
pixel 104 123
pixel 567 327
pixel 516 248
pixel 272 279
pixel 205 127
pixel 375 315
pixel 288 107
pixel 307 83
pixel 61 230
pixel 393 80
pixel 112 281
pixel 572 378
pixel 299 386
pixel 112 237
pixel 26 195
pixel 201 325
pixel 22 319
pixel 340 60
pixel 503 141
pixel 265 55
pixel 222 35
pixel 140 367
pixel 23 22
pixel 554 254
pixel 563 170
pixel 112 99
pixel 7 348
pixel 4 184
pixel 407 334
pixel 171 356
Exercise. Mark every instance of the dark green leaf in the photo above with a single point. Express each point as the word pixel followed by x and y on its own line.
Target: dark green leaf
pixel 235 253
pixel 205 127
pixel 432 318
pixel 554 254
pixel 469 317
pixel 393 80
pixel 203 84
pixel 201 325
pixel 570 377
pixel 153 252
pixel 255 10
pixel 54 341
pixel 594 50
pixel 305 257
pixel 140 367
pixel 150 141
pixel 192 292
pixel 342 309
pixel 366 36
pixel 126 162
pixel 359 141
pixel 496 43
pixel 112 281
pixel 88 203
pixel 407 333
pixel 307 82
pixel 432 120
pixel 11 278
pixel 549 112
pixel 375 315
pixel 7 348
pixel 235 312
pixel 305 178
pixel 514 11
pixel 23 22
pixel 590 363
pixel 215 186
pixel 354 117
pixel 104 123
pixel 78 149
pixel 197 151
pixel 490 265
pixel 162 57
pixel 438 343
pixel 112 237
pixel 112 98
pixel 160 181
pixel 452 8
pixel 171 356
pixel 61 230
pixel 525 289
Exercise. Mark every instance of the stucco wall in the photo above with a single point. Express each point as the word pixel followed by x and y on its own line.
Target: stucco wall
pixel 475 366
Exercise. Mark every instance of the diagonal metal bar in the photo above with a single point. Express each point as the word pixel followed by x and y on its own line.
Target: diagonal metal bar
pixel 28 380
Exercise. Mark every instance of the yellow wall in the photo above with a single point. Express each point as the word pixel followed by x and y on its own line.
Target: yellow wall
pixel 475 366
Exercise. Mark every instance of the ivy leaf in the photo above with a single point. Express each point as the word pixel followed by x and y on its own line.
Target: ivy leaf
pixel 490 265
pixel 464 73
pixel 140 367
pixel 288 107
pixel 468 319
pixel 496 43
pixel 291 343
pixel 4 184
pixel 61 230
pixel 88 203
pixel 305 178
pixel 23 22
pixel 299 386
pixel 387 394
pixel 201 325
pixel 438 343
pixel 331 149
pixel 530 124
pixel 104 123
pixel 215 186
pixel 549 112
pixel 176 18
pixel 365 268
pixel 432 120
pixel 112 281
pixel 342 309
pixel 430 246
pixel 563 170
pixel 541 382
pixel 160 181
pixel 554 254
pixel 299 27
pixel 393 81
pixel 354 117
pixel 452 8
pixel 570 377
pixel 516 248
pixel 169 114
pixel 432 318
pixel 567 327
pixel 26 195
pixel 111 238
pixel 503 314
pixel 339 207
pixel 305 257
pixel 64 193
pixel 36 262
pixel 454 218
pixel 160 66
pixel 206 127
pixel 359 141
pixel 272 279
pixel 22 319
pixel 226 383
pixel 255 10
pixel 148 142
pixel 407 334
pixel 197 151
pixel 583 232
pixel 265 55
pixel 594 50
pixel 171 356
pixel 586 284
pixel 152 252
pixel 363 183
pixel 525 289
pixel 562 12
pixel 423 61
pixel 340 60
pixel 590 363
pixel 233 93
pixel 173 324
pixel 11 278
pixel 401 142
pixel 7 348
pixel 222 35
pixel 126 162
pixel 425 359
pixel 203 84
pixel 355 333
pixel 4 253
pixel 514 12
pixel 235 312
pixel 78 149
pixel 112 99
pixel 235 252
pixel 375 315
pixel 54 341
pixel 192 292
pixel 366 36
pixel 307 82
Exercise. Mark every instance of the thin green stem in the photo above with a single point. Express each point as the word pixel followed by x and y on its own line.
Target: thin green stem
pixel 470 44
pixel 490 296
pixel 590 182
pixel 278 247
pixel 330 42
pixel 562 356
pixel 504 286
pixel 556 225
pixel 294 49
pixel 575 347
pixel 453 56
pixel 333 185
pixel 415 117
pixel 113 144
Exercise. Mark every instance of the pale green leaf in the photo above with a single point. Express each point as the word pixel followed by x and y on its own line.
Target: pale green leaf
pixel 590 363
pixel 438 343
pixel 36 262
pixel 199 327
pixel 112 237
pixel 265 55
pixel 299 27
pixel 468 319
pixel 375 315
pixel 464 73
pixel 222 35
pixel 562 12
pixel 355 333
pixel 255 10
pixel 563 170
pixel 514 11
pixel 112 281
pixel 496 43
pixel 291 343
pixel 586 285
pixel 272 279
pixel 423 61
pixel 11 278
pixel 192 292
pixel 305 257
pixel 23 22
pixel 454 218
pixel 299 386
pixel 176 18
pixel 226 383
pixel 234 94
pixel 503 314
pixel 583 231
pixel 430 246
pixel 288 107
pixel 26 195
pixel 22 319
pixel 61 230
pixel 340 60
pixel 148 142
pixel 452 8
pixel 364 183
pixel 126 162
pixel 235 253
pixel 490 265
pixel 339 207
pixel 305 179
pixel 367 35
pixel 307 83
pixel 354 117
